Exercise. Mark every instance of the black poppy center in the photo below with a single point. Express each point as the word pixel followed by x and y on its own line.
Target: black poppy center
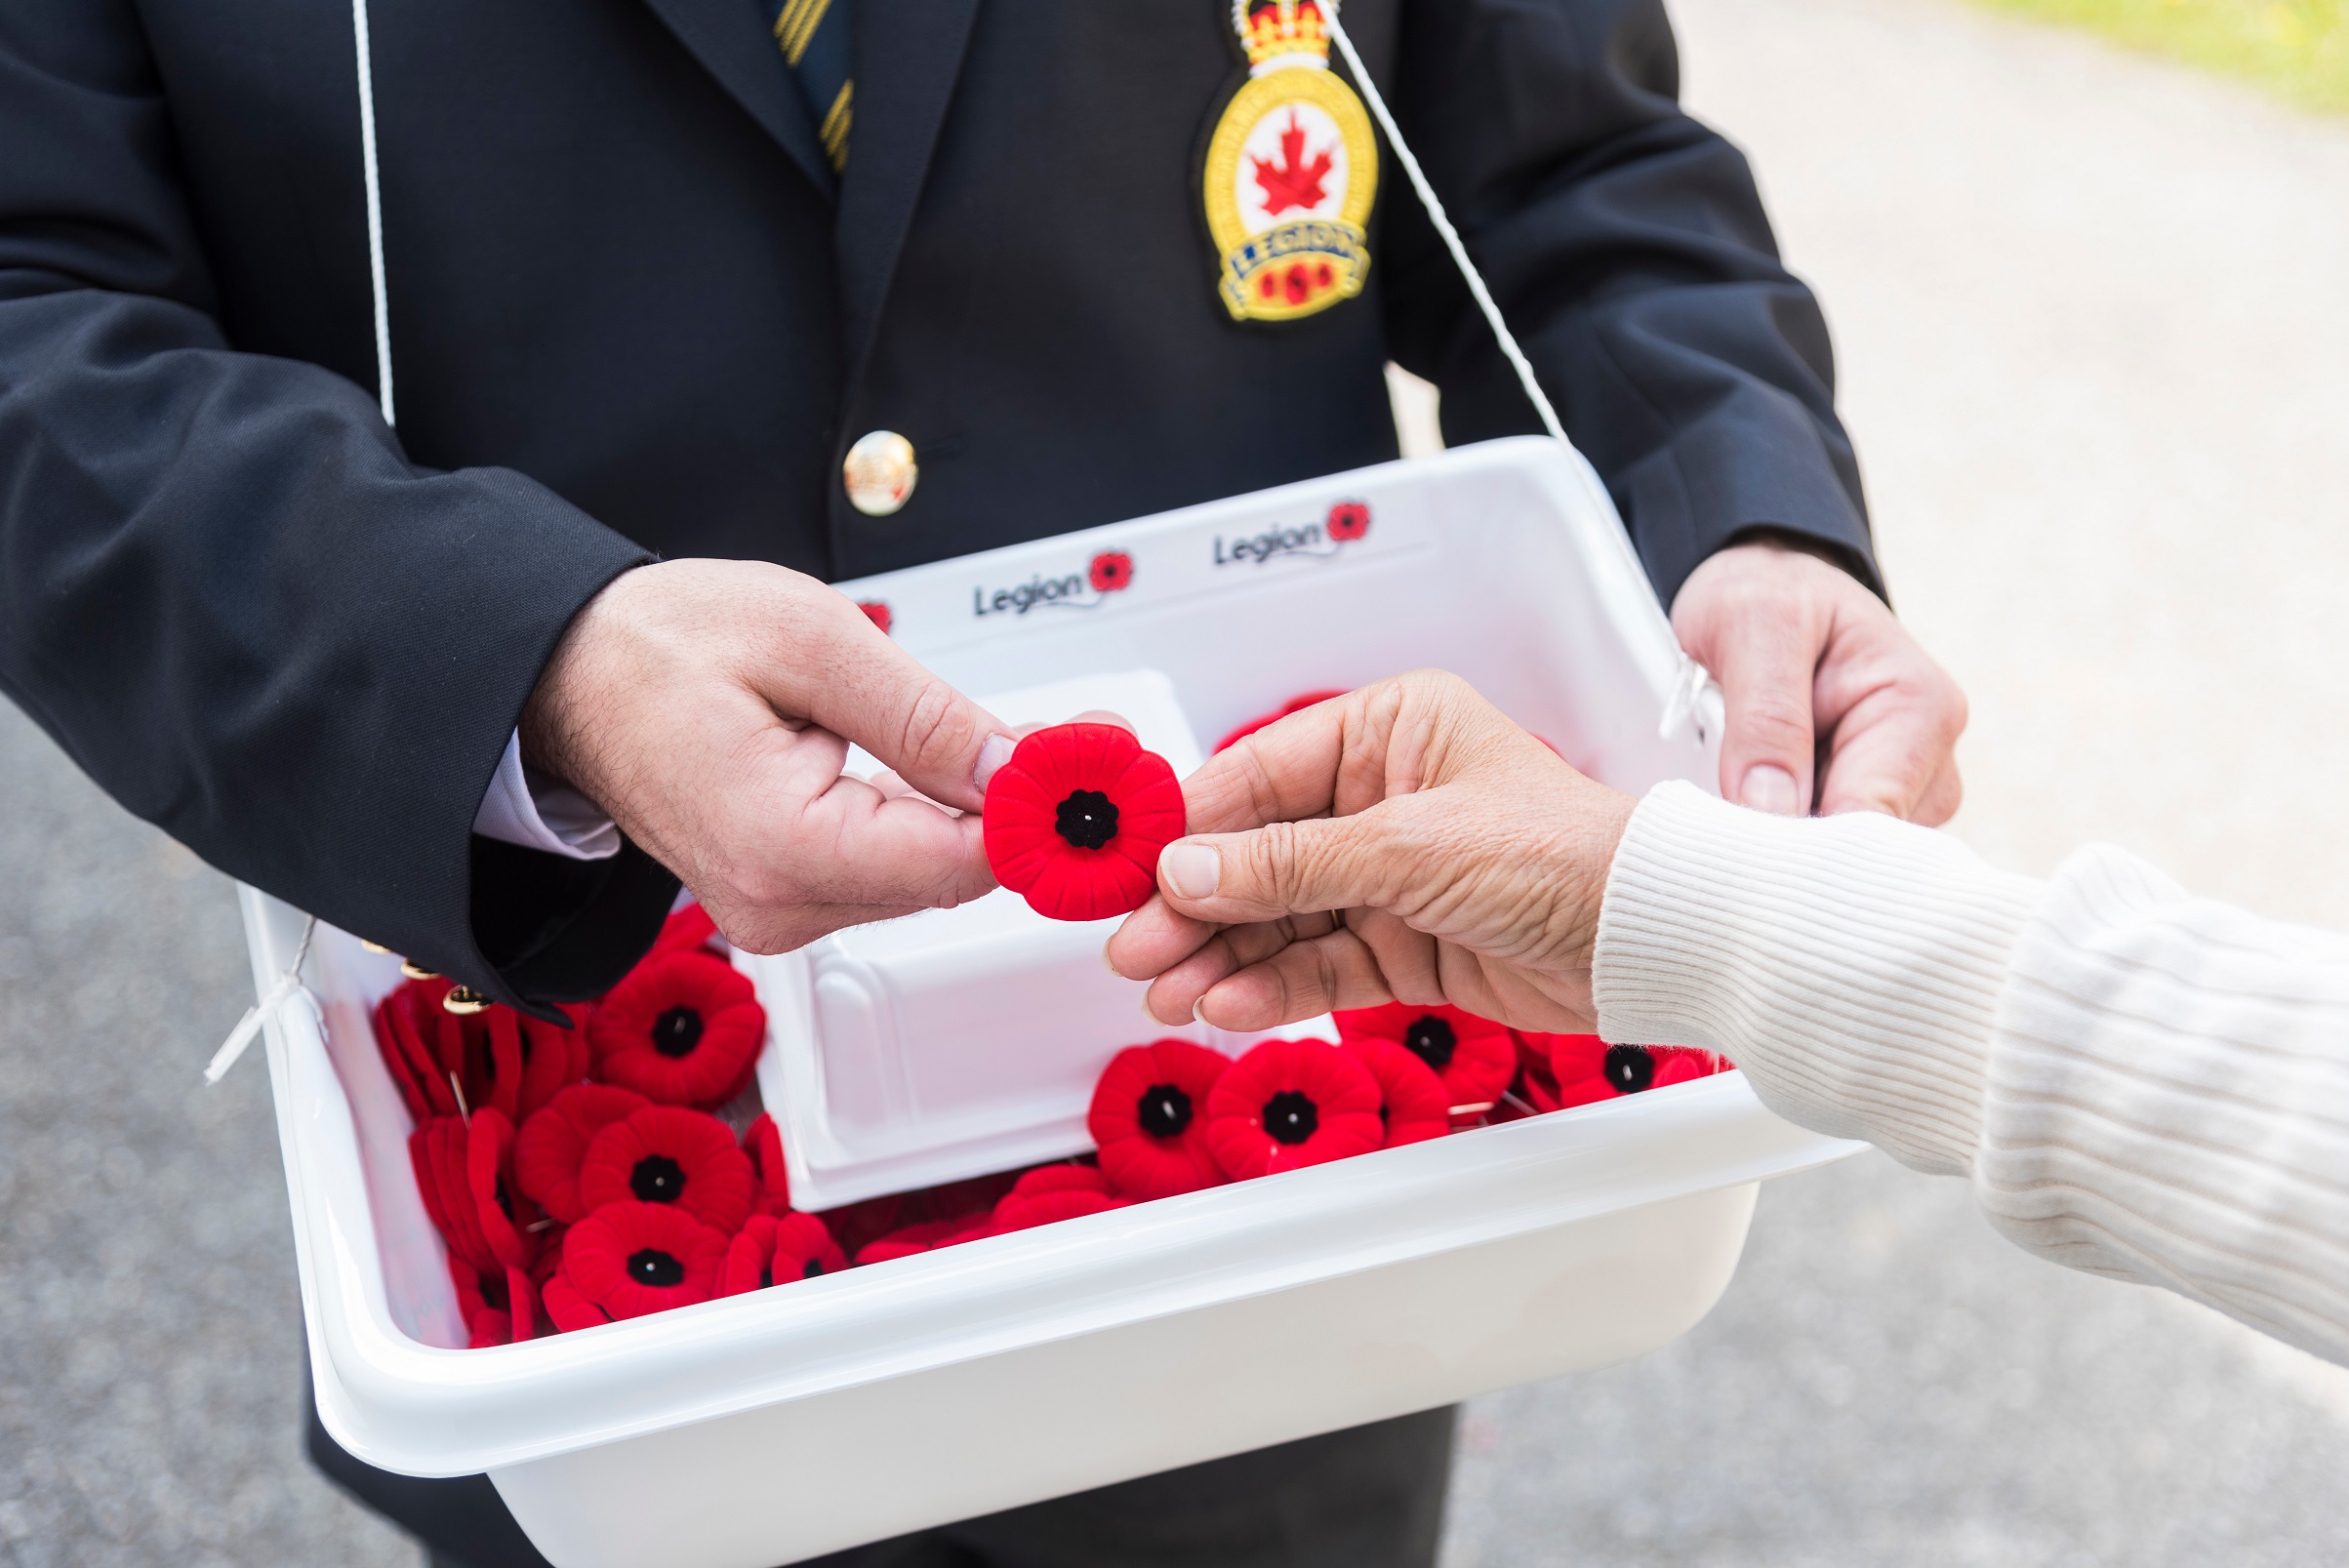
pixel 650 1266
pixel 505 1204
pixel 677 1032
pixel 1164 1110
pixel 814 1267
pixel 1630 1069
pixel 1290 1118
pixel 1087 818
pixel 1432 1039
pixel 657 1178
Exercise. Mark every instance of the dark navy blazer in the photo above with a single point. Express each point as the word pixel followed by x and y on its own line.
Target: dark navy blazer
pixel 631 311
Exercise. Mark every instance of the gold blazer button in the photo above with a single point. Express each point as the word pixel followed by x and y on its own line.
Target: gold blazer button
pixel 879 472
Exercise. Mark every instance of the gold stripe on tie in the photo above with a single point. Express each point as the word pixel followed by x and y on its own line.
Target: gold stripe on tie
pixel 834 133
pixel 797 24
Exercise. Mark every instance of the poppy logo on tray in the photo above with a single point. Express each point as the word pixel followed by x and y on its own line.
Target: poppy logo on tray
pixel 1110 572
pixel 1348 521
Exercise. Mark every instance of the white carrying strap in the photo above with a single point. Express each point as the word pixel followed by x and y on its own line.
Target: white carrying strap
pixel 288 989
pixel 375 209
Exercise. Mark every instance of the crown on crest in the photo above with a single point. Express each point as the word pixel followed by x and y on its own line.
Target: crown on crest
pixel 1271 29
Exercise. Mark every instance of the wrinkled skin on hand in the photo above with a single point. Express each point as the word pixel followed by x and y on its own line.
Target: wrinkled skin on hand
pixel 709 707
pixel 1402 843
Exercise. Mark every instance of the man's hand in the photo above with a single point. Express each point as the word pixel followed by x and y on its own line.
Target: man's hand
pixel 708 705
pixel 1818 674
pixel 1401 843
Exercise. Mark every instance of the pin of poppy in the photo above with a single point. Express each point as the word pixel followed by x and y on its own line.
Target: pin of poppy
pixel 553 1143
pixel 684 1028
pixel 1148 1119
pixel 1290 1103
pixel 1295 705
pixel 669 1155
pixel 1412 1105
pixel 630 1259
pixel 446 1064
pixel 777 1249
pixel 762 1142
pixel 1475 1056
pixel 1075 819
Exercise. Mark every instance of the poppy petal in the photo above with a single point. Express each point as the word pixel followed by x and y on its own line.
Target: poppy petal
pixel 1076 820
pixel 670 1155
pixel 1290 1103
pixel 553 1143
pixel 684 1029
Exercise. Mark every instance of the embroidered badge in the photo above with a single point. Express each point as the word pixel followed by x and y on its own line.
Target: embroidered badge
pixel 1291 171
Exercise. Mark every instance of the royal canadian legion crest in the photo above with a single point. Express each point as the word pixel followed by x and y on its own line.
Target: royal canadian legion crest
pixel 1291 171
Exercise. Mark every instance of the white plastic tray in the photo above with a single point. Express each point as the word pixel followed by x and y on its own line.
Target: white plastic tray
pixel 757 1430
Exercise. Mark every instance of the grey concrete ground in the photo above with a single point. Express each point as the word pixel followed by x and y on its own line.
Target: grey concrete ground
pixel 2096 352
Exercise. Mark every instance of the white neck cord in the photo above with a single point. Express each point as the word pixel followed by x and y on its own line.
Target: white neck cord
pixel 375 209
pixel 1444 227
pixel 288 988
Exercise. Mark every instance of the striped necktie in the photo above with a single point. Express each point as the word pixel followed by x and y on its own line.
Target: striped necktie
pixel 812 36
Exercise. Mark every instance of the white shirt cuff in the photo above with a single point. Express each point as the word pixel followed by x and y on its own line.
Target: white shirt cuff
pixel 525 807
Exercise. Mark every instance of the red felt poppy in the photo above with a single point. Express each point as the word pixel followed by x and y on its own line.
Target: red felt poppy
pixel 1289 1104
pixel 464 1173
pixel 1475 1056
pixel 1060 1179
pixel 684 1028
pixel 855 1224
pixel 688 927
pixel 1585 1069
pixel 669 1155
pixel 1111 572
pixel 566 1309
pixel 1412 1105
pixel 500 1308
pixel 1149 1118
pixel 1075 819
pixel 762 1142
pixel 876 612
pixel 1348 520
pixel 552 1144
pixel 630 1259
pixel 907 1240
pixel 447 1064
pixel 1295 705
pixel 777 1249
pixel 1024 1210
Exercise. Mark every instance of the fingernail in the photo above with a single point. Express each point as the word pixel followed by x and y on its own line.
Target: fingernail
pixel 993 752
pixel 1767 786
pixel 1109 963
pixel 1191 870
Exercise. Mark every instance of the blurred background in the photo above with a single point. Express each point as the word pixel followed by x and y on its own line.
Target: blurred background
pixel 2087 266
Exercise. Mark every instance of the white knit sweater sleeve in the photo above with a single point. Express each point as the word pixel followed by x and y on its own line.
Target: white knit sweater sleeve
pixel 2139 1083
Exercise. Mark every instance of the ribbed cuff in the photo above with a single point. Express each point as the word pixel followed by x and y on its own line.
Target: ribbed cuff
pixel 1849 964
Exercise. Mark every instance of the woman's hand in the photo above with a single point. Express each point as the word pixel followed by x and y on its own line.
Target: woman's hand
pixel 1401 843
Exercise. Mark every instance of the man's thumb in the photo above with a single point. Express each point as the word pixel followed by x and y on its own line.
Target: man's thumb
pixel 1329 863
pixel 939 741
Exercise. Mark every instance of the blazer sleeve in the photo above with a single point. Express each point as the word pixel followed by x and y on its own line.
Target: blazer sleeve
pixel 226 592
pixel 1626 246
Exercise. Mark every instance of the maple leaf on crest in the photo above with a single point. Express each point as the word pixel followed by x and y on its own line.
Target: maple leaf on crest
pixel 1290 184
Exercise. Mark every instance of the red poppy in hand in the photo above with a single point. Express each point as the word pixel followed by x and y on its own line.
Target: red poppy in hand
pixel 762 1142
pixel 553 1145
pixel 464 1173
pixel 1295 705
pixel 777 1249
pixel 1412 1104
pixel 1348 520
pixel 1075 819
pixel 1149 1118
pixel 1111 571
pixel 1475 1056
pixel 630 1259
pixel 669 1155
pixel 1290 1103
pixel 684 1028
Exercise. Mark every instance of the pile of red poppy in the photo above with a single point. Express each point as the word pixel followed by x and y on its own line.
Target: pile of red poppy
pixel 580 1176
pixel 1173 1117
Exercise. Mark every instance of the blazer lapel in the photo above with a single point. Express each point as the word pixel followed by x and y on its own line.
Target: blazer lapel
pixel 908 54
pixel 727 37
